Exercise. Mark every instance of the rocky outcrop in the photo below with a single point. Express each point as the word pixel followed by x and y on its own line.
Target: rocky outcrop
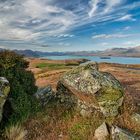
pixel 4 91
pixel 93 89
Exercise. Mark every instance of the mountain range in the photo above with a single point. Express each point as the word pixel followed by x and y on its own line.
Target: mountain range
pixel 124 52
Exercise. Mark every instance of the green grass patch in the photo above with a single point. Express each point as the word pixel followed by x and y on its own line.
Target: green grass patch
pixel 80 131
pixel 50 66
pixel 85 127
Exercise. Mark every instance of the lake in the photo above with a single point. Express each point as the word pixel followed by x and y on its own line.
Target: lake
pixel 121 60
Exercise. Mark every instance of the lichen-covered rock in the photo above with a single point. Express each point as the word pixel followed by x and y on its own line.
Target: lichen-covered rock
pixel 101 133
pixel 44 95
pixel 97 89
pixel 121 134
pixel 65 96
pixel 4 91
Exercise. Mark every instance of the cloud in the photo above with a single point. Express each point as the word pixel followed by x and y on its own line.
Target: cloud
pixel 32 19
pixel 50 20
pixel 107 36
pixel 64 44
pixel 127 28
pixel 131 43
pixel 94 6
pixel 64 36
pixel 104 44
pixel 2 47
pixel 127 17
pixel 102 7
pixel 110 4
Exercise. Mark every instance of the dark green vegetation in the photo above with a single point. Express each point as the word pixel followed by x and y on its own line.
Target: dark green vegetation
pixel 20 102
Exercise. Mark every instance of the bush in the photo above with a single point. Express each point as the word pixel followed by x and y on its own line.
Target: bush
pixel 22 83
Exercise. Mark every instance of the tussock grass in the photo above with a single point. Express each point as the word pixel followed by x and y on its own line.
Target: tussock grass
pixel 15 133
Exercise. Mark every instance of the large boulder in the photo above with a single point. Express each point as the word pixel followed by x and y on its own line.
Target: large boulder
pixel 4 91
pixel 93 89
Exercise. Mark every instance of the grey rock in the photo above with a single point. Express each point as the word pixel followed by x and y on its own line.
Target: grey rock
pixel 100 89
pixel 44 95
pixel 64 95
pixel 85 113
pixel 122 134
pixel 4 91
pixel 101 133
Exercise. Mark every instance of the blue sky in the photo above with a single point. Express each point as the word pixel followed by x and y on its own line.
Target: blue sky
pixel 69 25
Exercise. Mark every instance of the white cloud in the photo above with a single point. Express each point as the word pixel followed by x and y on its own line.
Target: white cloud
pixel 129 43
pixel 104 44
pixel 94 6
pixel 64 44
pixel 132 43
pixel 34 20
pixel 64 35
pixel 30 19
pixel 126 18
pixel 97 9
pixel 3 47
pixel 127 28
pixel 110 4
pixel 107 36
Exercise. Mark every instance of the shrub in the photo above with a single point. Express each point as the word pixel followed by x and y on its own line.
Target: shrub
pixel 22 83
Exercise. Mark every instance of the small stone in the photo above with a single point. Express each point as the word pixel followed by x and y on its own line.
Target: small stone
pixel 60 135
pixel 136 118
pixel 85 113
pixel 83 106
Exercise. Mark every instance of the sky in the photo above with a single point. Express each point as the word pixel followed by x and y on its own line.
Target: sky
pixel 69 25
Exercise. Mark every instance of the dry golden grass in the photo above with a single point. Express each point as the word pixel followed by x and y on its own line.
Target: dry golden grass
pixel 15 133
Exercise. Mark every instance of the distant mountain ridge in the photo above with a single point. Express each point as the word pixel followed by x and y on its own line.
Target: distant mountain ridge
pixel 124 52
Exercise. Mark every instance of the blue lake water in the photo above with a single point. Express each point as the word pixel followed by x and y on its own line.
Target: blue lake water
pixel 121 60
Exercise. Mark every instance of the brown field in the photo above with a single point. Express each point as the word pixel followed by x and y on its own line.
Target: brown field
pixel 50 126
pixel 49 75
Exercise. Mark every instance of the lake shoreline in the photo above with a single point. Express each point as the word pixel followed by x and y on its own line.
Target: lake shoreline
pixel 97 56
pixel 119 60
